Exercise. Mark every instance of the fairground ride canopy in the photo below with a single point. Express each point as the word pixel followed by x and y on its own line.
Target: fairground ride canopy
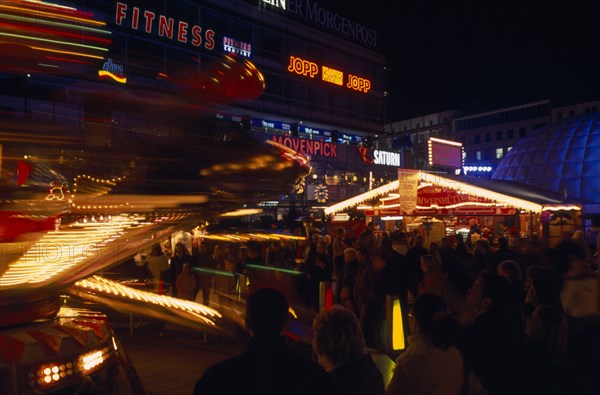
pixel 444 194
pixel 563 157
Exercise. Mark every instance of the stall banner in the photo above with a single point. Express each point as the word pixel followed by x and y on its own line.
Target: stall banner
pixel 408 183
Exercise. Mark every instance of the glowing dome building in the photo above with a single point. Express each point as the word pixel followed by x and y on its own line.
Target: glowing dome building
pixel 563 157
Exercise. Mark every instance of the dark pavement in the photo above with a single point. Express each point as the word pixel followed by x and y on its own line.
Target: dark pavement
pixel 170 359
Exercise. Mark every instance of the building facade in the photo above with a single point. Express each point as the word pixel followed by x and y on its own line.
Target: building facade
pixel 323 77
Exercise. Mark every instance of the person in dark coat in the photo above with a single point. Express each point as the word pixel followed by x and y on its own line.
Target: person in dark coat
pixel 268 367
pixel 491 345
pixel 340 347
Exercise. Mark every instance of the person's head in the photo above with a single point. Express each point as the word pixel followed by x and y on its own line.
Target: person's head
pixel 345 293
pixel 341 232
pixel 327 239
pixel 502 242
pixel 546 286
pixel 489 291
pixel 179 248
pixel 511 270
pixel 482 247
pixel 349 255
pixel 186 268
pixel 419 240
pixel 362 255
pixel 156 249
pixel 266 312
pixel 371 226
pixel 430 318
pixel 337 337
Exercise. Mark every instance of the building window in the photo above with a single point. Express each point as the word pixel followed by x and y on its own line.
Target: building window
pixel 487 154
pixel 571 114
pixel 559 116
pixel 521 132
pixel 499 153
pixel 477 139
pixel 508 149
pixel 488 137
pixel 499 135
pixel 478 155
pixel 510 134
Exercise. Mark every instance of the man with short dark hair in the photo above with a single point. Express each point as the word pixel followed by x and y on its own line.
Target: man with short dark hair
pixel 491 345
pixel 268 367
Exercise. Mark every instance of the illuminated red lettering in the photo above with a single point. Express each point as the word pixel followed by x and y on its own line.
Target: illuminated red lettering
pixel 120 14
pixel 309 147
pixel 149 15
pixel 182 32
pixel 210 40
pixel 317 145
pixel 135 18
pixel 197 36
pixel 165 26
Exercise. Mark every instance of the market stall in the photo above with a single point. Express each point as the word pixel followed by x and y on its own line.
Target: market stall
pixel 499 208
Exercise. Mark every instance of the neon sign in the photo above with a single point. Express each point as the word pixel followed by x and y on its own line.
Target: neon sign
pixel 311 69
pixel 237 47
pixel 308 147
pixel 112 70
pixel 164 26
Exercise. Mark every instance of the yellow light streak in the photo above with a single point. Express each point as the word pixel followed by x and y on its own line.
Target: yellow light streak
pixel 354 201
pixel 109 287
pixel 53 23
pixel 61 250
pixel 53 15
pixel 47 40
pixel 68 52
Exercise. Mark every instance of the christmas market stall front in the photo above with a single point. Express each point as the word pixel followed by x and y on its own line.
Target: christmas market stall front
pixel 444 205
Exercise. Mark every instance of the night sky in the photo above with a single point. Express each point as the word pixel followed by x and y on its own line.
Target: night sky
pixel 479 55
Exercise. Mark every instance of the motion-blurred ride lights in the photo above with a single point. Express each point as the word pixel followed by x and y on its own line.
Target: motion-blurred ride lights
pixel 60 374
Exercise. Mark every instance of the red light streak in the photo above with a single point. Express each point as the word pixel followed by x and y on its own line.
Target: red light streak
pixel 67 60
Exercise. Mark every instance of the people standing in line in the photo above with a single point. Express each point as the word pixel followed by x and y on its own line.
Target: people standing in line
pixel 275 255
pixel 502 253
pixel 431 363
pixel 580 297
pixel 414 263
pixel 511 270
pixel 474 233
pixel 349 272
pixel 338 248
pixel 434 276
pixel 367 238
pixel 157 263
pixel 364 292
pixel 180 257
pixel 268 366
pixel 186 283
pixel 339 345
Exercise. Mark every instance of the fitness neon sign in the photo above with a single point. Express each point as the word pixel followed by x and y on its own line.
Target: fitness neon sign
pixel 333 76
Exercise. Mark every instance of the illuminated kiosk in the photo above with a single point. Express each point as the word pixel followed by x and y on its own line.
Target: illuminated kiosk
pixel 534 213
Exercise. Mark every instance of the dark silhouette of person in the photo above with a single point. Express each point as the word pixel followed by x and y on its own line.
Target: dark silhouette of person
pixel 494 348
pixel 268 366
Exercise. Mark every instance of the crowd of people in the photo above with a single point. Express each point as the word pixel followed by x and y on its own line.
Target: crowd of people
pixel 482 319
